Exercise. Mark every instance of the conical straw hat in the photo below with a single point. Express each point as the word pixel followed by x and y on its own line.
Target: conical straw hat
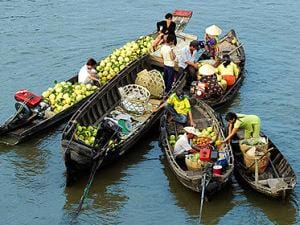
pixel 207 70
pixel 213 30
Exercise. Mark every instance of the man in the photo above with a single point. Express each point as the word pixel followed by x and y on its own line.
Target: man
pixel 168 56
pixel 187 61
pixel 88 73
pixel 179 107
pixel 183 146
pixel 250 124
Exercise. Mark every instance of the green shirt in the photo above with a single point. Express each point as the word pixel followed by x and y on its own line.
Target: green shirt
pixel 246 121
pixel 180 106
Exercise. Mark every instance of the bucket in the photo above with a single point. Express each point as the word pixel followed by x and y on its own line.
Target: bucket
pixel 217 170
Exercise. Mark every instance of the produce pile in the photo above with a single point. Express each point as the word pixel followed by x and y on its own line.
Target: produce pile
pixel 222 82
pixel 121 57
pixel 86 134
pixel 65 94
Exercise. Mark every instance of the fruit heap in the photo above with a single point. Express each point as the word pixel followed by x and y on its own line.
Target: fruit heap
pixel 193 157
pixel 222 82
pixel 206 136
pixel 64 94
pixel 86 134
pixel 121 57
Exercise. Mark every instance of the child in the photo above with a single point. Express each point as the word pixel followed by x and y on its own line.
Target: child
pixel 169 61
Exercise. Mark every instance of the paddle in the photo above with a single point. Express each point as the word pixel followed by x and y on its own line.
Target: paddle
pixel 202 195
pixel 232 51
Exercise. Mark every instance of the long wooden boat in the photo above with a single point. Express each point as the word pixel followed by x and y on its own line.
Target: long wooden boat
pixel 79 156
pixel 226 46
pixel 278 179
pixel 204 117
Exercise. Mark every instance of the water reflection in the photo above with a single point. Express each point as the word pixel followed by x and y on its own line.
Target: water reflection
pixel 108 193
pixel 277 211
pixel 213 211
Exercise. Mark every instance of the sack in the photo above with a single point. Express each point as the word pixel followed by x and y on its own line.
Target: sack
pixel 249 159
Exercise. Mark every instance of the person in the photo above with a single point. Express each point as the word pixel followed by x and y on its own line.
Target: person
pixel 228 70
pixel 209 78
pixel 165 28
pixel 249 123
pixel 183 145
pixel 88 73
pixel 187 62
pixel 212 41
pixel 179 107
pixel 168 56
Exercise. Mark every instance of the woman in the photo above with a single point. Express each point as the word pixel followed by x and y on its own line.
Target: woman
pixel 209 78
pixel 164 28
pixel 228 70
pixel 249 123
pixel 211 41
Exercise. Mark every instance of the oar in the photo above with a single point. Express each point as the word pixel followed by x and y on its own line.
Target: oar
pixel 232 51
pixel 96 164
pixel 202 195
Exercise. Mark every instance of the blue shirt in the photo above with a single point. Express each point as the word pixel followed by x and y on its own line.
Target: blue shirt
pixel 185 55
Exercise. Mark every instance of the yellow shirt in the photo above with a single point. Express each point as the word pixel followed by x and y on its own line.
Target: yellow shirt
pixel 180 106
pixel 231 69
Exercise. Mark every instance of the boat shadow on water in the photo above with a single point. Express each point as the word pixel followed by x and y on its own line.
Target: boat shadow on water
pixel 214 209
pixel 276 210
pixel 107 194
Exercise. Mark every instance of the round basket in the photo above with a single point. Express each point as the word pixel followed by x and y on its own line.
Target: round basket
pixel 153 81
pixel 134 98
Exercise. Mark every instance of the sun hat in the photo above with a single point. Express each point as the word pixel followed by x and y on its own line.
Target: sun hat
pixel 213 30
pixel 190 130
pixel 207 70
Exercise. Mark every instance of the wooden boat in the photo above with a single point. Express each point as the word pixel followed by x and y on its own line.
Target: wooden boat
pixel 236 52
pixel 16 130
pixel 203 116
pixel 276 181
pixel 77 155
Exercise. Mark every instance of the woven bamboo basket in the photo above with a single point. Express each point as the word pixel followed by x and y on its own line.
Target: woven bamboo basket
pixel 194 165
pixel 153 81
pixel 249 159
pixel 134 98
pixel 263 147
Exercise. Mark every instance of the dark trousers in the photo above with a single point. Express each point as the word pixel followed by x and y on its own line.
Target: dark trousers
pixel 191 74
pixel 168 77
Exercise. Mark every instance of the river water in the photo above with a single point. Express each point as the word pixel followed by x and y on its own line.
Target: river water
pixel 43 41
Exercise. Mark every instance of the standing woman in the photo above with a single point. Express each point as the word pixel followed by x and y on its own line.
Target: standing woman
pixel 164 28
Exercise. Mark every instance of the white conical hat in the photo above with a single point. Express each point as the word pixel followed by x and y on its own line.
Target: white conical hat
pixel 191 130
pixel 213 30
pixel 207 70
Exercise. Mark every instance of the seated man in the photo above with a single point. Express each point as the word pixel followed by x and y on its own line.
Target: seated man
pixel 179 107
pixel 187 62
pixel 183 145
pixel 249 123
pixel 88 73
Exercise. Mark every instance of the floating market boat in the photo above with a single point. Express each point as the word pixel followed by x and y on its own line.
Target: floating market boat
pixel 216 152
pixel 274 177
pixel 229 44
pixel 80 154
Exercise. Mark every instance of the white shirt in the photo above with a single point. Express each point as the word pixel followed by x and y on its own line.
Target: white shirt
pixel 182 145
pixel 83 76
pixel 165 52
pixel 185 55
